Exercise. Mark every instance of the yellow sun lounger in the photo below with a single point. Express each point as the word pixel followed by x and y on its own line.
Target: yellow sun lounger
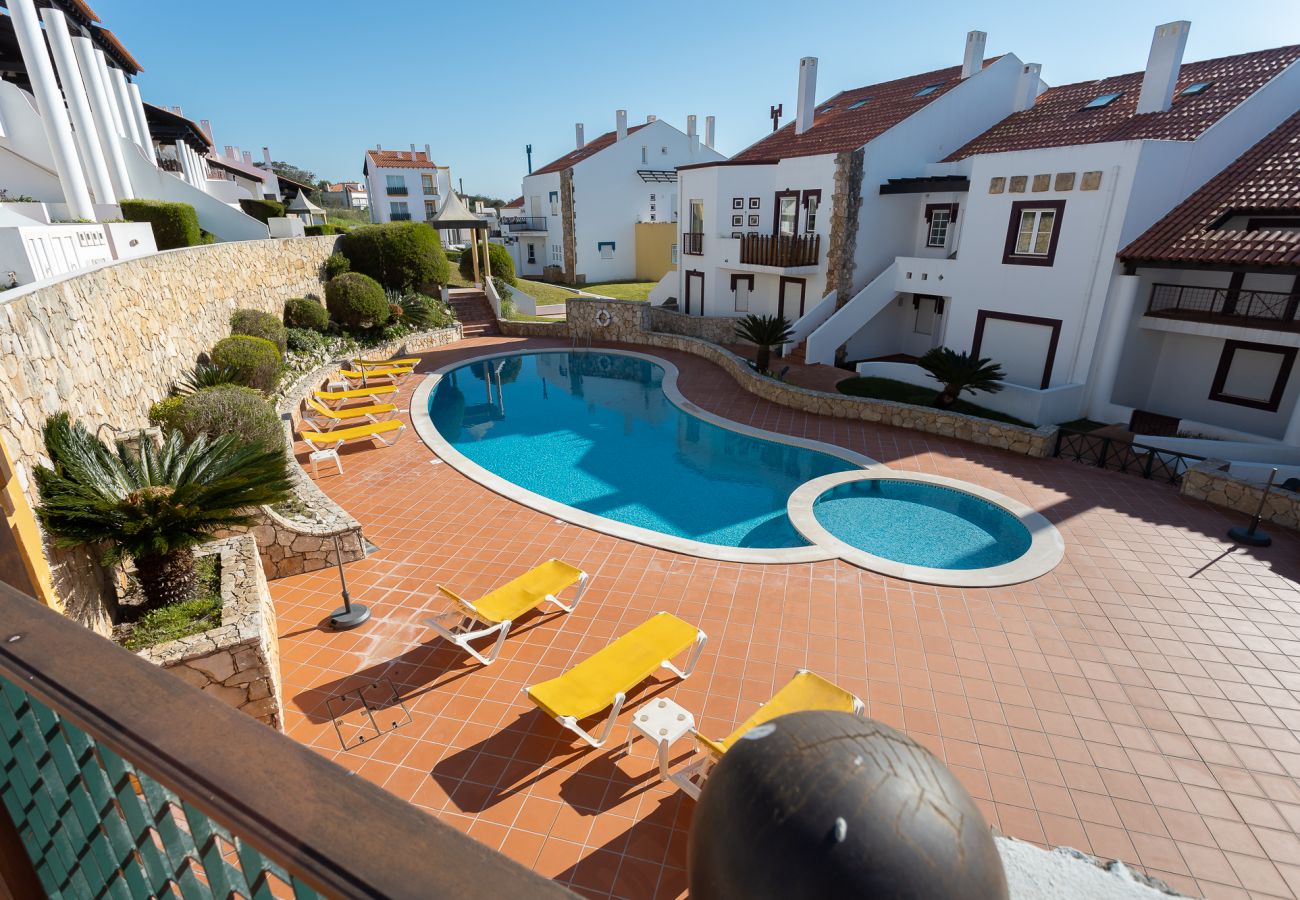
pixel 495 612
pixel 326 419
pixel 396 374
pixel 337 398
pixel 326 444
pixel 602 680
pixel 406 362
pixel 805 691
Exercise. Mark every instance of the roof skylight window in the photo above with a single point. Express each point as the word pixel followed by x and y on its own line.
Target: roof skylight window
pixel 1197 88
pixel 927 90
pixel 827 108
pixel 1102 100
pixel 859 103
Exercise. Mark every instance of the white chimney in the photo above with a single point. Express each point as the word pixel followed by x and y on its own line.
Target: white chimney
pixel 649 119
pixel 177 110
pixel 973 61
pixel 207 127
pixel 620 126
pixel 428 154
pixel 803 119
pixel 230 151
pixel 1167 46
pixel 247 157
pixel 266 155
pixel 379 147
pixel 579 139
pixel 690 126
pixel 238 153
pixel 709 122
pixel 1027 86
pixel 412 151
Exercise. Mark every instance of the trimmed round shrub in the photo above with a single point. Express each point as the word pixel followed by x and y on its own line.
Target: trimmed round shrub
pixel 337 264
pixel 324 228
pixel 255 361
pixel 174 224
pixel 256 323
pixel 262 210
pixel 304 312
pixel 503 266
pixel 399 255
pixel 356 301
pixel 225 409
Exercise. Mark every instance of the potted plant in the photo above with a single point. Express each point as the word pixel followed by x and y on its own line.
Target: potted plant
pixel 959 372
pixel 765 332
pixel 153 504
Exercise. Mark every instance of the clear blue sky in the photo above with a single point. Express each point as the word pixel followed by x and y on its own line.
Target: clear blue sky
pixel 320 82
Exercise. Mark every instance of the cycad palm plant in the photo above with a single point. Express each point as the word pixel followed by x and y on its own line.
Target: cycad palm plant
pixel 959 372
pixel 154 504
pixel 766 332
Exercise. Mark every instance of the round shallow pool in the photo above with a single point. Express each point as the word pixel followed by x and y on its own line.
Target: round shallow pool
pixel 921 524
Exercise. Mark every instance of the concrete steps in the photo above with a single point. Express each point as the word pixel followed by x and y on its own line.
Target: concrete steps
pixel 475 313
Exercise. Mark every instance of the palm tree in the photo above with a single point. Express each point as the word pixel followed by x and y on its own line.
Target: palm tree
pixel 155 504
pixel 766 332
pixel 959 372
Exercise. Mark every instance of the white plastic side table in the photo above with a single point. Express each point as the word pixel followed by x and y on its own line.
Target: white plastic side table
pixel 663 722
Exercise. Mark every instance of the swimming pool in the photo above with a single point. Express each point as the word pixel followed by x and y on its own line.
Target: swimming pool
pixel 607 434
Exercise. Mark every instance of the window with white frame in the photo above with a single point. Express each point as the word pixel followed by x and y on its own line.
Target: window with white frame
pixel 606 249
pixel 643 155
pixel 673 254
pixel 398 210
pixel 936 234
pixel 556 255
pixel 555 203
pixel 810 201
pixel 1034 237
pixel 741 287
pixel 532 254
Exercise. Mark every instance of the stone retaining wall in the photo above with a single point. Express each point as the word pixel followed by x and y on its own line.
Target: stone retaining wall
pixel 718 329
pixel 105 343
pixel 1211 482
pixel 239 661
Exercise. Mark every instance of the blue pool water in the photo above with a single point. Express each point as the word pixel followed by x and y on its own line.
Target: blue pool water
pixel 595 431
pixel 921 524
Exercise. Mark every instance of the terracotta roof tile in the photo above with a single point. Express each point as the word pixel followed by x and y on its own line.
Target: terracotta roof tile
pixel 516 203
pixel 843 128
pixel 124 56
pixel 400 159
pixel 1264 180
pixel 589 149
pixel 1058 119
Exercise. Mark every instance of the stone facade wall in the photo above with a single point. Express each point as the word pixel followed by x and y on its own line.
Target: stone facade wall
pixel 534 329
pixel 1211 482
pixel 106 343
pixel 567 216
pixel 718 329
pixel 237 662
pixel 841 257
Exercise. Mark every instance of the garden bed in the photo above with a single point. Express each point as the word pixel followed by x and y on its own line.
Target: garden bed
pixel 901 392
pixel 137 630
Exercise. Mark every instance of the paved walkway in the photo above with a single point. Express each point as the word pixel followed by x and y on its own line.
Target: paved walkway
pixel 1142 701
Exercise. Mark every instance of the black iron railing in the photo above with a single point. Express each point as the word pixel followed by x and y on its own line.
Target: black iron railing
pixel 1256 309
pixel 400 217
pixel 525 223
pixel 693 243
pixel 1123 456
pixel 117 778
pixel 396 191
pixel 780 250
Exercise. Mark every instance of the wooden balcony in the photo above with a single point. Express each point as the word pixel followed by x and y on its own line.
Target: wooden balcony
pixel 1250 309
pixel 780 251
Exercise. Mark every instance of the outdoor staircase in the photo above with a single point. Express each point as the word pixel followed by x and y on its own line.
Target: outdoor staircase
pixel 472 308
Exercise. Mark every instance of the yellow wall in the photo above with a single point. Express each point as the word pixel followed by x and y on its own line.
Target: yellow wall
pixel 22 561
pixel 654 249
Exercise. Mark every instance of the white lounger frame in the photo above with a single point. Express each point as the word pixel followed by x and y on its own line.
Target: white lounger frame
pixel 620 698
pixel 460 628
pixel 332 450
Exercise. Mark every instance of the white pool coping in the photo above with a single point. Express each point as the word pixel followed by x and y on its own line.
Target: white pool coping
pixel 424 427
pixel 1046 546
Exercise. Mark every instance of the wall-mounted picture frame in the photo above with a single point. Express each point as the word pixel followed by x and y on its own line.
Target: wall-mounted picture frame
pixel 754 202
pixel 753 221
pixel 737 221
pixel 737 202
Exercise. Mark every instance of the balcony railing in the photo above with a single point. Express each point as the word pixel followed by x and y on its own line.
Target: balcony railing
pixel 400 217
pixel 430 191
pixel 693 243
pixel 1253 309
pixel 119 779
pixel 780 250
pixel 524 223
pixel 396 191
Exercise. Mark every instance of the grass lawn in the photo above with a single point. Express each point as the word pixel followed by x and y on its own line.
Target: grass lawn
pixel 545 294
pixel 621 290
pixel 902 392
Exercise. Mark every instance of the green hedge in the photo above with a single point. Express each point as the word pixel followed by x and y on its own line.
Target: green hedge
pixel 324 228
pixel 305 312
pixel 399 255
pixel 355 300
pixel 262 210
pixel 224 409
pixel 254 361
pixel 503 266
pixel 174 224
pixel 256 323
pixel 337 264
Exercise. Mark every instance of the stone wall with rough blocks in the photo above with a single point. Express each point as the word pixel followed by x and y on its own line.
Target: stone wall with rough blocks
pixel 534 329
pixel 1211 482
pixel 105 343
pixel 718 329
pixel 237 662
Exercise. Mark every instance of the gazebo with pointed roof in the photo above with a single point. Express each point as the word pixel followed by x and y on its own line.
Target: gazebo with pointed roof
pixel 455 215
pixel 302 207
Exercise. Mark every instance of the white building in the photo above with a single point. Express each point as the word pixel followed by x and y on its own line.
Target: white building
pixel 348 194
pixel 1013 237
pixel 581 212
pixel 404 185
pixel 797 215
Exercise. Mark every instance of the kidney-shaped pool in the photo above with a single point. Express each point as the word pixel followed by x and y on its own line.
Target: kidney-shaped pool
pixel 608 434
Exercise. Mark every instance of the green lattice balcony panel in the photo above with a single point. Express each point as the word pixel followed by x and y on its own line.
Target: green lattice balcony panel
pixel 96 826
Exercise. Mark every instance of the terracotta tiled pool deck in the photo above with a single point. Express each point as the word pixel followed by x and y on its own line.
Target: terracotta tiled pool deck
pixel 1141 701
